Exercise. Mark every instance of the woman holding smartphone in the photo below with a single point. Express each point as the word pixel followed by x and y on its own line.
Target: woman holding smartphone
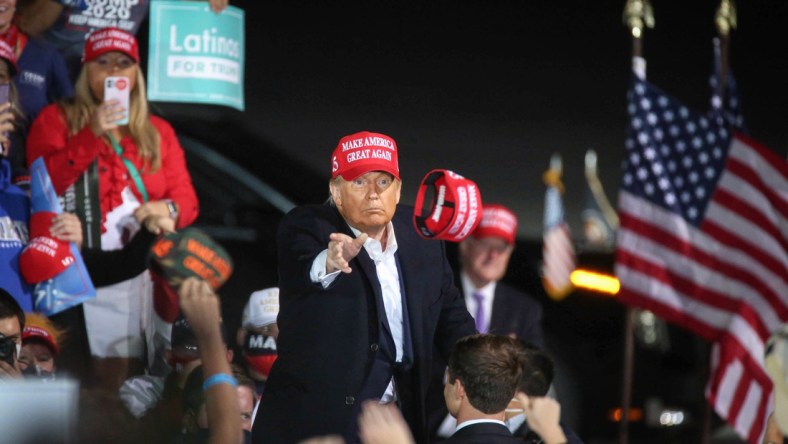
pixel 140 170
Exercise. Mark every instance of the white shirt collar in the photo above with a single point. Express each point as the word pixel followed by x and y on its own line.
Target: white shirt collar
pixel 469 289
pixel 477 421
pixel 373 246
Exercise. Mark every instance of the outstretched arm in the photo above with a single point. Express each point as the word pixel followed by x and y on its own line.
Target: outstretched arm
pixel 200 306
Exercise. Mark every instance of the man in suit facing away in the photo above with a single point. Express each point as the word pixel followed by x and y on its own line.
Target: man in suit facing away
pixel 483 373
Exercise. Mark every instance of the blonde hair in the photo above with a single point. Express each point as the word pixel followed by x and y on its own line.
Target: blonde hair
pixel 35 319
pixel 80 109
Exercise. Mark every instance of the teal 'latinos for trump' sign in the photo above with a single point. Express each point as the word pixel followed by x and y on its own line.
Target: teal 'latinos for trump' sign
pixel 196 55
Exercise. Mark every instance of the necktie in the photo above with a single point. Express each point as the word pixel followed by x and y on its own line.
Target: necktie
pixel 481 323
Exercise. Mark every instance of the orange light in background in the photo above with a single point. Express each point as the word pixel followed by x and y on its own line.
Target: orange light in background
pixel 599 282
pixel 635 414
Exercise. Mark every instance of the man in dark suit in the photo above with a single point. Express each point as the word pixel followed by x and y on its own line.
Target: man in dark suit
pixel 363 301
pixel 483 374
pixel 496 307
pixel 484 258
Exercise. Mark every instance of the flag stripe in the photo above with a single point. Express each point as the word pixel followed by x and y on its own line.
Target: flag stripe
pixel 768 166
pixel 558 254
pixel 675 234
pixel 763 224
pixel 641 298
pixel 701 300
pixel 729 279
pixel 768 200
pixel 735 356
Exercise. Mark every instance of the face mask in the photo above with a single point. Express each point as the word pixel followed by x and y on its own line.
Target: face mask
pixel 35 372
pixel 247 437
pixel 261 364
pixel 260 352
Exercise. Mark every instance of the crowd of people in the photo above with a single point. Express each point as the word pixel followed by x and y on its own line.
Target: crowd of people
pixel 369 335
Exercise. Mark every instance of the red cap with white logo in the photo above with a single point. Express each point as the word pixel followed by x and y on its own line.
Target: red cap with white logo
pixel 497 221
pixel 106 40
pixel 455 208
pixel 363 152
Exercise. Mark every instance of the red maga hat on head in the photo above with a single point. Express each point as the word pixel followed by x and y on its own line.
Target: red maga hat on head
pixel 363 152
pixel 455 208
pixel 497 221
pixel 44 257
pixel 107 40
pixel 36 332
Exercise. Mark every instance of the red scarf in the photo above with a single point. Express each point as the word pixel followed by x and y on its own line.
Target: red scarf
pixel 15 39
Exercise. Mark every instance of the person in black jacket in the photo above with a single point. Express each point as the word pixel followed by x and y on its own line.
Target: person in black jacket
pixel 363 299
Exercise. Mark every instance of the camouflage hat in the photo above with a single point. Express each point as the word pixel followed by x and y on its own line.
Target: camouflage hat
pixel 190 252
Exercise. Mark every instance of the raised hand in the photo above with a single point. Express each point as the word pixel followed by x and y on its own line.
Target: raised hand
pixel 105 116
pixel 341 250
pixel 543 415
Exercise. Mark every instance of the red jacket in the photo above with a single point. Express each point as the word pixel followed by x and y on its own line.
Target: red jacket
pixel 68 156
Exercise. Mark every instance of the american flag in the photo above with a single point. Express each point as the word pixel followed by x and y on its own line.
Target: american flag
pixel 558 252
pixel 703 242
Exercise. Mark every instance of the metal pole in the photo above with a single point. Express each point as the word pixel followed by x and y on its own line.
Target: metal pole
pixel 626 389
pixel 638 15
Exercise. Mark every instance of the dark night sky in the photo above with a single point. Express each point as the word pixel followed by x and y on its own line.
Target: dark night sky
pixel 490 89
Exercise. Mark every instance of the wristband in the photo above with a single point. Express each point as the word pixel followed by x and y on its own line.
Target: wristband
pixel 218 378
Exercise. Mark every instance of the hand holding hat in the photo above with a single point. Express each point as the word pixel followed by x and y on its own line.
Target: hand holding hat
pixel 190 252
pixel 177 256
pixel 45 256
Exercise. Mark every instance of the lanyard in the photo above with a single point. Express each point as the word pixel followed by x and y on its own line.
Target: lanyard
pixel 133 172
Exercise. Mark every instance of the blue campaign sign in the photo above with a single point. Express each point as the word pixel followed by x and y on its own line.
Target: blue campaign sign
pixel 196 55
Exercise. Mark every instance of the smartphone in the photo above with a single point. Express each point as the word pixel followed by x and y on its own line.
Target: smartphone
pixel 116 87
pixel 5 89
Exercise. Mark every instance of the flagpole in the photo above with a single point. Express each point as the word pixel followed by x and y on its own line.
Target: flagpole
pixel 725 21
pixel 638 15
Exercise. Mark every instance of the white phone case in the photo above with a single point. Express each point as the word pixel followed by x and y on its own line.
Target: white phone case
pixel 116 87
